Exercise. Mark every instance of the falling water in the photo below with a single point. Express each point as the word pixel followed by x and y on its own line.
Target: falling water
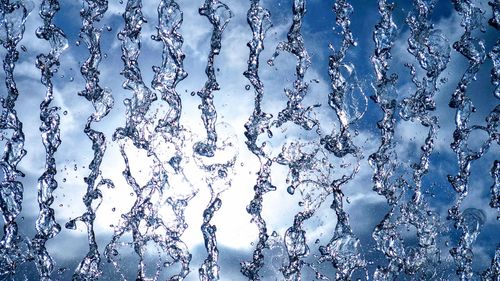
pixel 344 248
pixel 383 160
pixel 259 20
pixel 219 16
pixel 392 215
pixel 46 225
pixel 144 220
pixel 101 99
pixel 295 111
pixel 13 18
pixel 468 221
pixel 430 47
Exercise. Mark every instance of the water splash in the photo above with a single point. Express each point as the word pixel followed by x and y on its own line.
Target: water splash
pixel 296 246
pixel 431 49
pixel 259 20
pixel 92 12
pixel 13 16
pixel 344 248
pixel 46 225
pixel 219 171
pixel 147 242
pixel 473 49
pixel 292 154
pixel 295 111
pixel 309 173
pixel 383 161
pixel 145 221
pixel 219 16
pixel 171 71
pixel 343 87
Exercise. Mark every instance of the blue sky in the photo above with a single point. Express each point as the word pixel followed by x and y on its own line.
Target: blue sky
pixel 234 105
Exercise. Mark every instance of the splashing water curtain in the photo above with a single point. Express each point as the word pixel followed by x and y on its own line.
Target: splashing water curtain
pixel 412 173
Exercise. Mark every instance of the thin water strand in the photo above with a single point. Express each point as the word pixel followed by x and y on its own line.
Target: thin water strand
pixel 340 144
pixel 219 169
pixel 473 49
pixel 13 17
pixel 431 49
pixel 136 123
pixel 295 111
pixel 343 250
pixel 259 20
pixel 495 187
pixel 92 12
pixel 219 172
pixel 46 225
pixel 493 272
pixel 138 106
pixel 219 16
pixel 171 72
pixel 168 129
pixel 383 161
pixel 292 154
